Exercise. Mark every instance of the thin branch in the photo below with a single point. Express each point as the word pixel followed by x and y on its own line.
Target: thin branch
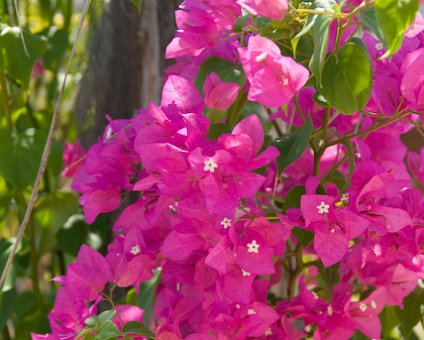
pixel 21 31
pixel 46 150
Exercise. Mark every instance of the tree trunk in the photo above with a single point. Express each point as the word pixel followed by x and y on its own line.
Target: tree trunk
pixel 125 65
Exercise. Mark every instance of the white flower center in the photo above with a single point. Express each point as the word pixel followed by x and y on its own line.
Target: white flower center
pixel 245 273
pixel 261 57
pixel 345 198
pixel 250 311
pixel 332 230
pixel 109 134
pixel 210 165
pixel 363 307
pixel 135 250
pixel 226 222
pixel 379 46
pixel 253 247
pixel 323 208
pixel 373 304
pixel 330 310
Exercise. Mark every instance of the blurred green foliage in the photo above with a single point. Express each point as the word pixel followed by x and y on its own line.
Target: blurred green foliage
pixel 29 85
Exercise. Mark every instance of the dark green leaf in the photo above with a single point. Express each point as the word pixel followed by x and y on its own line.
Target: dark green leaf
pixel 411 313
pixel 351 158
pixel 388 320
pixel 7 301
pixel 137 328
pixel 147 296
pixel 275 30
pixel 108 330
pixel 216 130
pixel 292 199
pixel 73 235
pixel 292 145
pixel 20 155
pixel 303 236
pixel 368 17
pixel 347 78
pixel 393 19
pixel 338 179
pixel 306 28
pixel 321 33
pixel 227 71
pixel 13 59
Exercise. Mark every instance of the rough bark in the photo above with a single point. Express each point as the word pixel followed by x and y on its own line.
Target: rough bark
pixel 125 65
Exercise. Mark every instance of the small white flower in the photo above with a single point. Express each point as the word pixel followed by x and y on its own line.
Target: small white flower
pixel 261 57
pixel 285 81
pixel 332 230
pixel 268 331
pixel 250 311
pixel 109 133
pixel 379 46
pixel 363 307
pixel 345 198
pixel 226 222
pixel 330 310
pixel 245 273
pixel 253 247
pixel 135 250
pixel 373 304
pixel 323 208
pixel 210 165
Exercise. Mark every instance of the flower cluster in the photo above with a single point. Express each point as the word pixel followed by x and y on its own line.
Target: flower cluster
pixel 240 244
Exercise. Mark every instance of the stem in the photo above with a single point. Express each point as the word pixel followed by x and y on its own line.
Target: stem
pixel 371 129
pixel 236 108
pixel 46 151
pixel 34 266
pixel 295 273
pixel 5 100
pixel 6 334
pixel 296 104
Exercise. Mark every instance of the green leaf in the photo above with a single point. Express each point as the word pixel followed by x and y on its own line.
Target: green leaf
pixel 107 315
pixel 292 199
pixel 108 330
pixel 7 301
pixel 347 78
pixel 393 19
pixel 216 130
pixel 388 320
pixel 54 209
pixel 369 19
pixel 147 296
pixel 73 235
pixel 274 30
pixel 137 328
pixel 292 145
pixel 351 158
pixel 339 180
pixel 20 155
pixel 303 236
pixel 137 3
pixel 227 71
pixel 306 28
pixel 411 313
pixel 13 59
pixel 321 33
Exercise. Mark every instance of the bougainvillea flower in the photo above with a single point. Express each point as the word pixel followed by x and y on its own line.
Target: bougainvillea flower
pixel 218 94
pixel 273 78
